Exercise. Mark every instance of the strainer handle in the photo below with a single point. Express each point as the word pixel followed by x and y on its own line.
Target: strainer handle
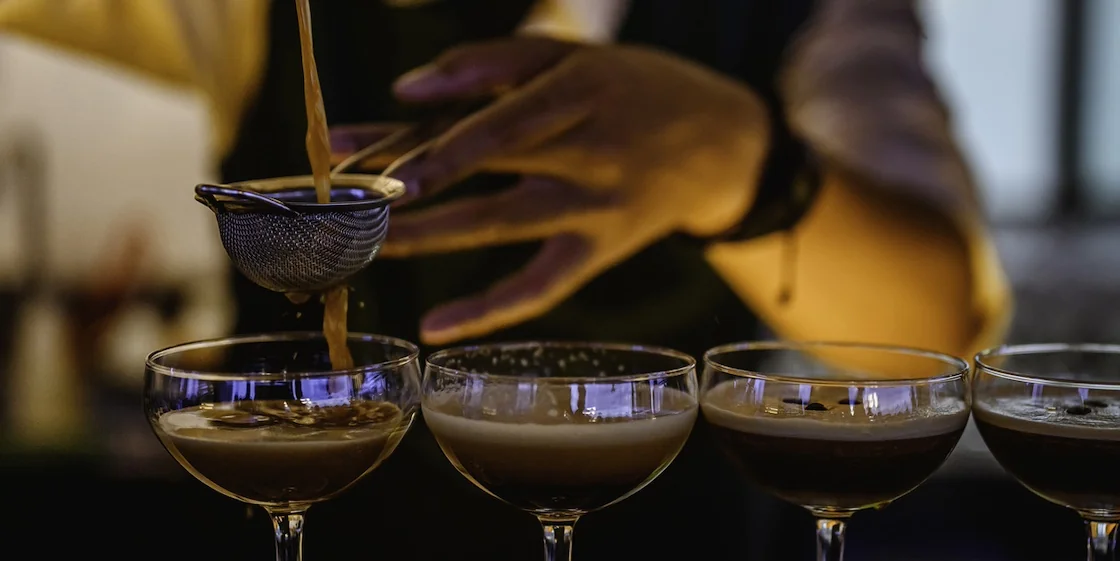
pixel 425 131
pixel 207 194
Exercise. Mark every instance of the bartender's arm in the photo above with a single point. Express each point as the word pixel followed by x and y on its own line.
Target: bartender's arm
pixel 621 146
pixel 881 256
pixel 894 248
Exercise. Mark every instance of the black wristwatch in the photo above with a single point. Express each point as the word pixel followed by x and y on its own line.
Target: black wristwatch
pixel 788 185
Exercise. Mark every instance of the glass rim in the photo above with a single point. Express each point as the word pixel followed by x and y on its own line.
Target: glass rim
pixel 412 354
pixel 387 189
pixel 961 366
pixel 688 366
pixel 1043 349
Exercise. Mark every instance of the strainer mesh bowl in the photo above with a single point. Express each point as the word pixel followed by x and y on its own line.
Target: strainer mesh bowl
pixel 302 253
pixel 313 246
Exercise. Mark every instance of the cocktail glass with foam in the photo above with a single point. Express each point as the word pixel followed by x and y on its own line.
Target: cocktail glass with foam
pixel 560 429
pixel 1050 414
pixel 834 427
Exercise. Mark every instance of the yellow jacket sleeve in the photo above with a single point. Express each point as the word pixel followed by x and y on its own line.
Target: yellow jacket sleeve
pixel 895 249
pixel 217 47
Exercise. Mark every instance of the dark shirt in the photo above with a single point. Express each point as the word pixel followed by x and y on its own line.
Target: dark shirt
pixel 665 295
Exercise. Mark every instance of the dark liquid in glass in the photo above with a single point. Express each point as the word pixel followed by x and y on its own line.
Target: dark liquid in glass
pixel 1075 466
pixel 835 456
pixel 844 474
pixel 282 459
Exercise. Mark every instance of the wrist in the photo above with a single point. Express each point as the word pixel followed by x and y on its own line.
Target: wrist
pixel 787 187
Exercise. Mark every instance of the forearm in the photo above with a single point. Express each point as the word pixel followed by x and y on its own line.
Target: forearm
pixel 893 250
pixel 875 266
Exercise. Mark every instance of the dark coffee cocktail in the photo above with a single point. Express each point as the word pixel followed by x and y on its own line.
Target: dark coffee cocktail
pixel 1066 451
pixel 829 452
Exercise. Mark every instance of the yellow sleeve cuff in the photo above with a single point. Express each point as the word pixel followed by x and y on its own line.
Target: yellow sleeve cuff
pixel 218 47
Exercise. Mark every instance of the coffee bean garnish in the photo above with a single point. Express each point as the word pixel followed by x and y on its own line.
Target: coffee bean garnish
pixel 847 401
pixel 793 401
pixel 816 407
pixel 1079 410
pixel 1095 403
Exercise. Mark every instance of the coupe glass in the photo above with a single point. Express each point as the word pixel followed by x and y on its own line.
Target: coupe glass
pixel 834 427
pixel 560 429
pixel 264 418
pixel 1050 414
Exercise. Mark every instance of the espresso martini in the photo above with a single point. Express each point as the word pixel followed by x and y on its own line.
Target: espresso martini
pixel 282 453
pixel 1067 452
pixel 549 460
pixel 832 452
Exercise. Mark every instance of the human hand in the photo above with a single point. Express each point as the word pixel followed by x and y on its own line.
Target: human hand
pixel 617 147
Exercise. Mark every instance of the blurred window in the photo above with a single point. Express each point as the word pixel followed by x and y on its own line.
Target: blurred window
pixel 1033 86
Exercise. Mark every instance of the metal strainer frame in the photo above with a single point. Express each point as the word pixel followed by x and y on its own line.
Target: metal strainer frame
pixel 278 236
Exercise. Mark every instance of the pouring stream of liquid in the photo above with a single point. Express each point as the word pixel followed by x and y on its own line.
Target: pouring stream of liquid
pixel 318 140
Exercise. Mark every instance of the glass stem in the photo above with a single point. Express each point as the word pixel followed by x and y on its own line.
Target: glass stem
pixel 288 527
pixel 830 539
pixel 558 539
pixel 1102 540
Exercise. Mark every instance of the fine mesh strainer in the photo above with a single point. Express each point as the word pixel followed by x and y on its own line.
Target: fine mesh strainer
pixel 279 237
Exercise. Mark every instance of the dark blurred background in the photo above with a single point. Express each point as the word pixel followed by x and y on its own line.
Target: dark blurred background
pixel 104 257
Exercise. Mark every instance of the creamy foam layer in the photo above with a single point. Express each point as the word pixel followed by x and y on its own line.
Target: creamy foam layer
pixel 1067 419
pixel 604 415
pixel 611 434
pixel 879 414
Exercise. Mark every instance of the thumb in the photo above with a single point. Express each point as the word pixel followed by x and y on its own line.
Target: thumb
pixel 481 69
